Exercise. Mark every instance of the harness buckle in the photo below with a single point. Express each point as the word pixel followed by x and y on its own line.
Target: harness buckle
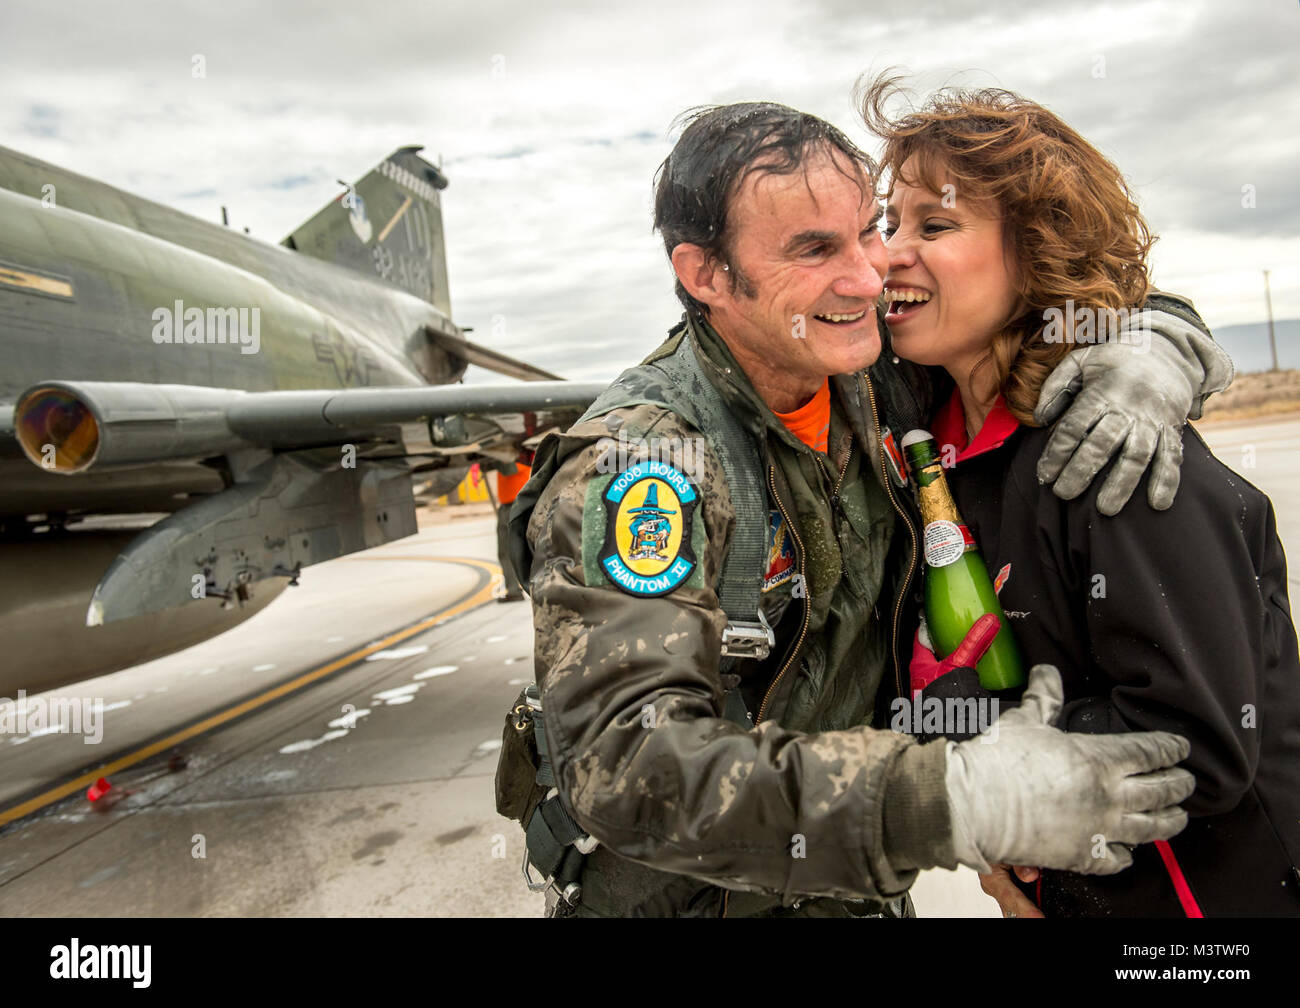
pixel 746 639
pixel 533 886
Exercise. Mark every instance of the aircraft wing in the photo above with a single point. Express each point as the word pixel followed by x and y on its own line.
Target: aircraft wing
pixel 71 427
pixel 309 475
pixel 511 367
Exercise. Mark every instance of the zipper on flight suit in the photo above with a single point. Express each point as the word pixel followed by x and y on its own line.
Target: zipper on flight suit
pixel 911 562
pixel 847 442
pixel 803 580
pixel 807 602
pixel 807 599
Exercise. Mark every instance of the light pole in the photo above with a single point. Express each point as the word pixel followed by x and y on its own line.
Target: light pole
pixel 1268 303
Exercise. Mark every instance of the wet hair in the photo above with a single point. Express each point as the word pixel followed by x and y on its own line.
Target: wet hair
pixel 719 148
pixel 1070 224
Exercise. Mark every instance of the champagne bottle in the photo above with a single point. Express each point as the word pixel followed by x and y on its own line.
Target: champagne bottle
pixel 958 590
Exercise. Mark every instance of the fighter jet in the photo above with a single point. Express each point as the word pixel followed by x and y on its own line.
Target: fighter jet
pixel 190 416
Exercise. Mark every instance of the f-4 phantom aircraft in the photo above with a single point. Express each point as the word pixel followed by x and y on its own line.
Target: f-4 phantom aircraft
pixel 190 416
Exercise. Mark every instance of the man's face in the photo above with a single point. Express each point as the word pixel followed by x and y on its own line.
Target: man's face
pixel 808 262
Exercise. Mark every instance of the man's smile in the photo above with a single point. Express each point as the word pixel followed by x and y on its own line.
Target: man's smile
pixel 837 318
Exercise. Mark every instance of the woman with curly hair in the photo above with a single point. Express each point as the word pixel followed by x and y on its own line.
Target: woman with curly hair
pixel 1010 240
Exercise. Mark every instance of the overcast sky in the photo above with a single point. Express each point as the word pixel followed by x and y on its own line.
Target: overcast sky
pixel 552 118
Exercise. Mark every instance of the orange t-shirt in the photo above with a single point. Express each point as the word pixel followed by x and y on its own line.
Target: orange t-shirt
pixel 508 487
pixel 811 422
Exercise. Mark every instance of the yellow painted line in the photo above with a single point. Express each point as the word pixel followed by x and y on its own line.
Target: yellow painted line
pixel 34 281
pixel 396 217
pixel 216 720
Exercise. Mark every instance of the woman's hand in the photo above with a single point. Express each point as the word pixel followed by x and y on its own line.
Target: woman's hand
pixel 1013 902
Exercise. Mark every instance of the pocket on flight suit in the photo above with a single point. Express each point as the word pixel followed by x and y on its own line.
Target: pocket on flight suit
pixel 517 790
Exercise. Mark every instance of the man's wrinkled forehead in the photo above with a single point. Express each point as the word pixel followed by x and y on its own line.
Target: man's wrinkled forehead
pixel 765 192
pixel 767 171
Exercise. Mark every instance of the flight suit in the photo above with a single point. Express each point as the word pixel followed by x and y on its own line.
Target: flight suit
pixel 804 808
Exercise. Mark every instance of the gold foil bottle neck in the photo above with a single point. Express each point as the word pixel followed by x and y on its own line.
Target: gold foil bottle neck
pixel 935 498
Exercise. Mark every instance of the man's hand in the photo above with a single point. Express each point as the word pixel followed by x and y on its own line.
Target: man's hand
pixel 1035 795
pixel 999 885
pixel 1134 395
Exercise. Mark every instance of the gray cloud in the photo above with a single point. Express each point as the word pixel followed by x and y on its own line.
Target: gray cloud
pixel 552 120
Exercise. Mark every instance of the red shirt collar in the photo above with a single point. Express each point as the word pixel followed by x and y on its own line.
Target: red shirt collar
pixel 949 428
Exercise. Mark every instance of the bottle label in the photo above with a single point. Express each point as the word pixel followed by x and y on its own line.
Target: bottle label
pixel 945 542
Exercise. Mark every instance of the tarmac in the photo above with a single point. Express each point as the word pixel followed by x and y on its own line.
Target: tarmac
pixel 334 755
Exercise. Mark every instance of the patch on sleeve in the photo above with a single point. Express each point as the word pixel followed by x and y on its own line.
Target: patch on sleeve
pixel 649 512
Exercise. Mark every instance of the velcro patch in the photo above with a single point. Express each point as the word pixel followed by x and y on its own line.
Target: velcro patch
pixel 897 467
pixel 780 552
pixel 649 511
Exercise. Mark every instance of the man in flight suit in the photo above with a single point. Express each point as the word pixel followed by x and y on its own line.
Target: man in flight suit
pixel 719 778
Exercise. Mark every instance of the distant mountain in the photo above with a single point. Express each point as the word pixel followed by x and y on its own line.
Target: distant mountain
pixel 1247 345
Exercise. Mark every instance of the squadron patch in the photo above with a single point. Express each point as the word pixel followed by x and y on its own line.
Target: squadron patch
pixel 897 467
pixel 780 552
pixel 649 508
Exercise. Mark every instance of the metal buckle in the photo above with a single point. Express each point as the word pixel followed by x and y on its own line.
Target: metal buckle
pixel 744 639
pixel 528 876
pixel 585 845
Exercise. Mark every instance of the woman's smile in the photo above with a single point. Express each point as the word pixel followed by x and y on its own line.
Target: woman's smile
pixel 904 302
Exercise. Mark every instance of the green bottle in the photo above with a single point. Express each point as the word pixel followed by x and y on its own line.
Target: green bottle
pixel 958 590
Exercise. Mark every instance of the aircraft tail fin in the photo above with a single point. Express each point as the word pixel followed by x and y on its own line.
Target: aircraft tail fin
pixel 388 225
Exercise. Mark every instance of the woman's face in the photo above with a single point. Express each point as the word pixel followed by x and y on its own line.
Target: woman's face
pixel 947 254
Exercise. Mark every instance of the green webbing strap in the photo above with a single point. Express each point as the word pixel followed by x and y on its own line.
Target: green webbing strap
pixel 545 772
pixel 740 588
pixel 550 836
pixel 551 831
pixel 678 383
pixel 734 709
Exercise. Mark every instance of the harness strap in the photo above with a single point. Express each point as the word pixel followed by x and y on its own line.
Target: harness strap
pixel 554 843
pixel 678 383
pixel 551 833
pixel 545 772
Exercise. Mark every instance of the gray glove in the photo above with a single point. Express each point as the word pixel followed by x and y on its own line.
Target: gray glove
pixel 1137 392
pixel 1029 794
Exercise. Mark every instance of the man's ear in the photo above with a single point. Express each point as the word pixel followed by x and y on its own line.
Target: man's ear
pixel 700 273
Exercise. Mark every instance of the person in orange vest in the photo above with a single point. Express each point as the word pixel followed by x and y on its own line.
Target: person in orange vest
pixel 508 487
